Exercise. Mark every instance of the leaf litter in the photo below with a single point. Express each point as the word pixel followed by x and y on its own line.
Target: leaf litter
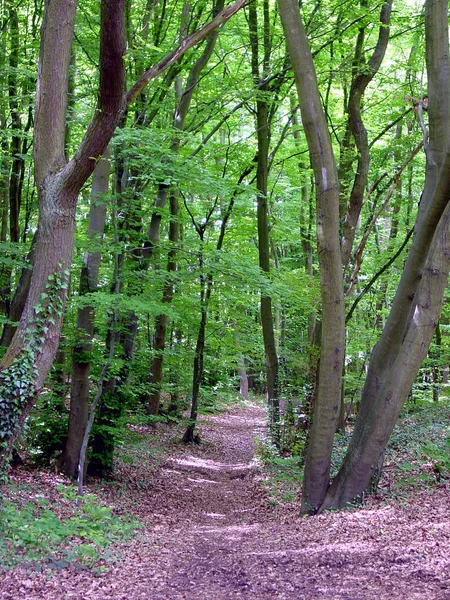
pixel 212 532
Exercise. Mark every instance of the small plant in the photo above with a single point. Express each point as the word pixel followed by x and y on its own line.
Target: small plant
pixel 284 475
pixel 38 531
pixel 439 455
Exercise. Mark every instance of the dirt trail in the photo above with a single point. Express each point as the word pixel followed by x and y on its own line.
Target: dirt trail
pixel 211 535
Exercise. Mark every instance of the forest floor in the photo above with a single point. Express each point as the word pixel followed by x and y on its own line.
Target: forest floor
pixel 213 532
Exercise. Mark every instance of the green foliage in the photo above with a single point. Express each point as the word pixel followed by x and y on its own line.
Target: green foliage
pixel 284 476
pixel 439 455
pixel 46 429
pixel 420 445
pixel 216 146
pixel 34 531
pixel 17 381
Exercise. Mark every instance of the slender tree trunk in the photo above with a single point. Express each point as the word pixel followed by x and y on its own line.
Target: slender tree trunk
pixel 363 75
pixel 5 282
pixel 19 298
pixel 262 173
pixel 161 320
pixel 82 352
pixel 242 370
pixel 205 293
pixel 415 311
pixel 436 356
pixel 326 407
pixel 206 286
pixel 264 263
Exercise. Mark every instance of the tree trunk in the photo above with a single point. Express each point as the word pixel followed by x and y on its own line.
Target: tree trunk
pixel 264 263
pixel 363 75
pixel 189 435
pixel 326 406
pixel 262 173
pixel 156 372
pixel 82 352
pixel 415 311
pixel 242 370
pixel 206 285
pixel 19 298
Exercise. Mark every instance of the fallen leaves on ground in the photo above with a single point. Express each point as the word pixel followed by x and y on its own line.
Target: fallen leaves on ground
pixel 212 534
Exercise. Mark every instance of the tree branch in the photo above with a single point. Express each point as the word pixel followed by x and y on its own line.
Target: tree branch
pixel 393 187
pixel 377 275
pixel 110 97
pixel 183 46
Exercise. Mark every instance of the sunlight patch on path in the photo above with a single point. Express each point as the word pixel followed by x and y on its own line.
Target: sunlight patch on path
pixel 212 465
pixel 201 480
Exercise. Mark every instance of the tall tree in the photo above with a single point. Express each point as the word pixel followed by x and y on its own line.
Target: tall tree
pixel 326 407
pixel 82 352
pixel 262 174
pixel 58 180
pixel 415 310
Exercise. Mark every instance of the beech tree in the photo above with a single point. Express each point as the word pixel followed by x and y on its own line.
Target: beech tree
pixel 29 356
pixel 415 311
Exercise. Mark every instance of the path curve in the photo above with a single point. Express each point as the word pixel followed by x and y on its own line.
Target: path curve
pixel 211 535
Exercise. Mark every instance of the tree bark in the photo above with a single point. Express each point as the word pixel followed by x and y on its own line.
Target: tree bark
pixel 326 407
pixel 360 82
pixel 415 311
pixel 156 373
pixel 262 173
pixel 82 352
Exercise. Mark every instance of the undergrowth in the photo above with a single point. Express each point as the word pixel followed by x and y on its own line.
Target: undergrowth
pixel 417 456
pixel 41 532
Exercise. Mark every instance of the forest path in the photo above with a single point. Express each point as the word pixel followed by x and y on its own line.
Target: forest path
pixel 212 535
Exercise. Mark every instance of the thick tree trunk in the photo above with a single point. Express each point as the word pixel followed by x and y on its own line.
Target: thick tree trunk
pixel 28 359
pixel 415 311
pixel 328 391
